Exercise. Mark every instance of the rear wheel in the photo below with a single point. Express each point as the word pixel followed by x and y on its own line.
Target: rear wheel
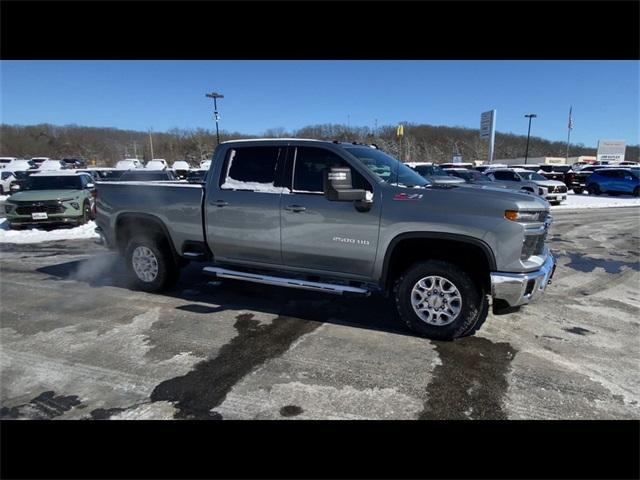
pixel 150 264
pixel 594 189
pixel 438 300
pixel 636 192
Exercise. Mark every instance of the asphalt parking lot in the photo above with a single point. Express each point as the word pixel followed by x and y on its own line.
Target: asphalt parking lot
pixel 77 344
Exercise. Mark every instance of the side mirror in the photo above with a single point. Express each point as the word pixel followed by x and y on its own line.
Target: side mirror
pixel 338 187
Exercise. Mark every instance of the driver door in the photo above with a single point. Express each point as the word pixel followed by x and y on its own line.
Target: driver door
pixel 318 234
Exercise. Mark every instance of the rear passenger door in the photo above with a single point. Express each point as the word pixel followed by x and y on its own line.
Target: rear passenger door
pixel 318 234
pixel 242 207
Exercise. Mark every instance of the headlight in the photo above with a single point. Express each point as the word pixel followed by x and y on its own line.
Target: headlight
pixel 75 205
pixel 524 217
pixel 8 207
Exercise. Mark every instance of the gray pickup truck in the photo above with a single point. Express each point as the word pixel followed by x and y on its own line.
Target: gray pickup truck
pixel 340 218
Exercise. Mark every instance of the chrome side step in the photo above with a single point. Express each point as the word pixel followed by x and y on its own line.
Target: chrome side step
pixel 285 282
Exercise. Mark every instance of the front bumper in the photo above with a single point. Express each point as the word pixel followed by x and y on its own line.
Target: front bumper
pixel 522 288
pixel 24 221
pixel 555 197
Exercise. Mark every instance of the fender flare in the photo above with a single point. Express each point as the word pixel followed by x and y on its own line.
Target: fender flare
pixel 148 217
pixel 486 249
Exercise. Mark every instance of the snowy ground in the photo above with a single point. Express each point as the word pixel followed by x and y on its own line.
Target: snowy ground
pixel 35 236
pixel 585 200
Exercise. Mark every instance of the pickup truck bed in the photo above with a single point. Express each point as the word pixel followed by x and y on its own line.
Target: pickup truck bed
pixel 177 204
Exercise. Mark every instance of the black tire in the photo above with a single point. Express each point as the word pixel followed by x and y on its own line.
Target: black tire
pixel 594 189
pixel 474 304
pixel 86 213
pixel 636 192
pixel 578 190
pixel 168 271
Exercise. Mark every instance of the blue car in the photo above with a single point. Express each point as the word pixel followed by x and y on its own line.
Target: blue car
pixel 614 181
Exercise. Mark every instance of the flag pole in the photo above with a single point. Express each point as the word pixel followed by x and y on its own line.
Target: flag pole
pixel 569 127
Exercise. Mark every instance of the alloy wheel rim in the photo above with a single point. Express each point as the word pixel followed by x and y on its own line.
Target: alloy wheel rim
pixel 145 264
pixel 436 300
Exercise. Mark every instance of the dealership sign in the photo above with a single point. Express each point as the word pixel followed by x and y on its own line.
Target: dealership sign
pixel 486 124
pixel 611 151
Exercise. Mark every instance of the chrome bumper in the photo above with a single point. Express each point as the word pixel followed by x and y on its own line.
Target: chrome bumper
pixel 522 288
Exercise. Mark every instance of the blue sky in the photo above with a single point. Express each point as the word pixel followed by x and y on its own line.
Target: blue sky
pixel 291 94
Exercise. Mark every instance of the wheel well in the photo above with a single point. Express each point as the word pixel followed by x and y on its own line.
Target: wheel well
pixel 528 189
pixel 470 257
pixel 128 226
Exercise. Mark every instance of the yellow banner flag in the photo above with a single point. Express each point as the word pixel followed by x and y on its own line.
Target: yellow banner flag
pixel 400 131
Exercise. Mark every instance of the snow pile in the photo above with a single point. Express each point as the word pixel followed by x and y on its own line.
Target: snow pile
pixel 584 200
pixel 3 198
pixel 7 235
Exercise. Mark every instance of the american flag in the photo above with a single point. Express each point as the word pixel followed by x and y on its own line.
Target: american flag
pixel 570 118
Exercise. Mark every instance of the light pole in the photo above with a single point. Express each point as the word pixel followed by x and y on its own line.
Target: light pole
pixel 526 152
pixel 215 96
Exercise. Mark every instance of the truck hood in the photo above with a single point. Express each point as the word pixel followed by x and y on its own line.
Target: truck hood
pixel 43 195
pixel 488 197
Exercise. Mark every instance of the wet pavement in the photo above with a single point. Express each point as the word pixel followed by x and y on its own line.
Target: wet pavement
pixel 76 343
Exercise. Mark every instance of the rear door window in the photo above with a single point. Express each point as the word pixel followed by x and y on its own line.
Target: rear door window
pixel 252 169
pixel 508 176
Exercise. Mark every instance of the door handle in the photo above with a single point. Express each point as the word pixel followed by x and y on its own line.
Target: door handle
pixel 219 203
pixel 295 208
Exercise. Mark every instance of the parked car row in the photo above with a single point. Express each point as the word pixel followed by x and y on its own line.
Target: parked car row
pixel 518 179
pixel 549 181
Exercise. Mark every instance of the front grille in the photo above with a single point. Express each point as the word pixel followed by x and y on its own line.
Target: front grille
pixel 533 245
pixel 51 207
pixel 558 189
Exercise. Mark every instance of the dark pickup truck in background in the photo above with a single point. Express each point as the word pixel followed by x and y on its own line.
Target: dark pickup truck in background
pixel 339 218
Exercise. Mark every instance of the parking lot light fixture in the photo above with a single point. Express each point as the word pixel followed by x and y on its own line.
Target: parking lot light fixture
pixel 526 152
pixel 215 96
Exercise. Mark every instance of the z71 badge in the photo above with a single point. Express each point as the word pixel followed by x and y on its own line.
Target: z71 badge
pixel 407 196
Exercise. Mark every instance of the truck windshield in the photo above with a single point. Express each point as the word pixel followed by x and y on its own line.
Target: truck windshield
pixel 386 167
pixel 63 182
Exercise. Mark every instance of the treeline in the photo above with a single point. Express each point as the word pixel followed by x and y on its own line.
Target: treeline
pixel 420 142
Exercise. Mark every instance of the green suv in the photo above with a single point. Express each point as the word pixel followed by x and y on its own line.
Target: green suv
pixel 52 198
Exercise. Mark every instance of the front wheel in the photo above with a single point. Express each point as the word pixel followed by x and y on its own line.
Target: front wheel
pixel 150 264
pixel 86 213
pixel 438 300
pixel 594 189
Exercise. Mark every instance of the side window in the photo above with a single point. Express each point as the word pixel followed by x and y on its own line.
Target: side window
pixel 251 168
pixel 504 176
pixel 310 165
